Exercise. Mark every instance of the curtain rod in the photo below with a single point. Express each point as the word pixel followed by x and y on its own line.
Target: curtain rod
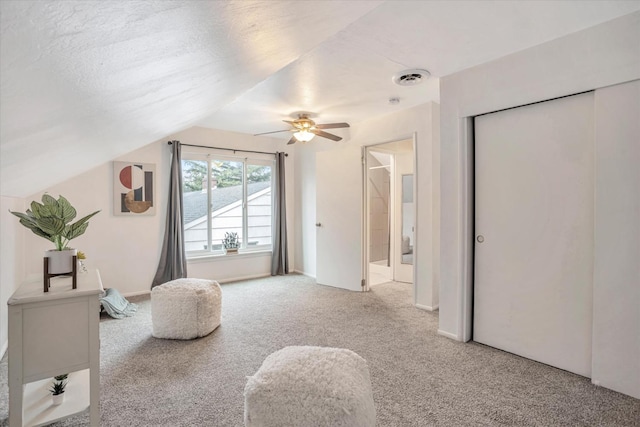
pixel 228 149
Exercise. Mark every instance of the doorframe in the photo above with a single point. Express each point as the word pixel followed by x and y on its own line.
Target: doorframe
pixel 466 225
pixel 365 209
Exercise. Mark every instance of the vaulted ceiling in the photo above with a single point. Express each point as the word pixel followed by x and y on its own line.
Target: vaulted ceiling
pixel 83 82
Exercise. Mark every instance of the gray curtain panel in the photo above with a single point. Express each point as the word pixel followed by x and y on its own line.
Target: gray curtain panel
pixel 173 262
pixel 280 258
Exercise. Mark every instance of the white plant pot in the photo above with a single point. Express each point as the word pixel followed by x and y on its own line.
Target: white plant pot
pixel 61 261
pixel 57 399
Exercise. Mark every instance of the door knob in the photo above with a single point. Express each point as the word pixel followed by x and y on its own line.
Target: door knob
pixel 480 238
pixel 318 224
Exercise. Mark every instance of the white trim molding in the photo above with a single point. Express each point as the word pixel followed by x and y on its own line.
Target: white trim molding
pixel 427 307
pixel 239 278
pixel 135 294
pixel 304 274
pixel 448 335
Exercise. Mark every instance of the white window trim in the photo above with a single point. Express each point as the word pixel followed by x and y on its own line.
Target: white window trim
pixel 216 256
pixel 242 252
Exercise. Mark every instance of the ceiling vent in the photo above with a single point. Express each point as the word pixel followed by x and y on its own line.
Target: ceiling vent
pixel 410 77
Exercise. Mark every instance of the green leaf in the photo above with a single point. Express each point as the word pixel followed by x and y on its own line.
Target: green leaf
pixel 51 205
pixel 24 216
pixel 52 226
pixel 30 224
pixel 47 200
pixel 38 232
pixel 75 230
pixel 67 212
pixel 78 228
pixel 38 210
pixel 48 211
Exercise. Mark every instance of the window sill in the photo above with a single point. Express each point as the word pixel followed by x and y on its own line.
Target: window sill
pixel 224 257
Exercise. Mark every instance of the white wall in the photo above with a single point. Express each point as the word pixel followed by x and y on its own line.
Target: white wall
pixel 597 57
pixel 126 249
pixel 11 259
pixel 600 56
pixel 392 127
pixel 305 205
pixel 616 281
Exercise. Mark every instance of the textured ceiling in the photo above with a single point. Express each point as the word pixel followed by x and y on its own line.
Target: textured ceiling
pixel 83 82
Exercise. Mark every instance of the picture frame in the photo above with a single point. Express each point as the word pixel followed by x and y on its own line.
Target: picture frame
pixel 134 189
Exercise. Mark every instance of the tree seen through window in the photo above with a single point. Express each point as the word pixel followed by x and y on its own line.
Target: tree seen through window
pixel 227 174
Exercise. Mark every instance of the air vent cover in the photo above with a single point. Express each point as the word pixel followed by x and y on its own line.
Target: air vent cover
pixel 410 77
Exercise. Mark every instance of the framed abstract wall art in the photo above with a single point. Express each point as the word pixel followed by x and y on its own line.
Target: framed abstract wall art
pixel 134 188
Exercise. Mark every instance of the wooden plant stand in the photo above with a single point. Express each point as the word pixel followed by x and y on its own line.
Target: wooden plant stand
pixel 73 273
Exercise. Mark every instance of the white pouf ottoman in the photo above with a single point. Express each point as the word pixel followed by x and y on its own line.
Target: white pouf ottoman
pixel 184 309
pixel 310 386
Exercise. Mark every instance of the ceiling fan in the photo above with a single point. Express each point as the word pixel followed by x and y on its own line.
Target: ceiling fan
pixel 304 129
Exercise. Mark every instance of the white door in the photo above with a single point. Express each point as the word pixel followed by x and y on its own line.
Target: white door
pixel 338 218
pixel 403 218
pixel 534 231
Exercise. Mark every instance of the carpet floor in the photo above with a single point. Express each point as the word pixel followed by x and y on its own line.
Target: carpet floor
pixel 419 378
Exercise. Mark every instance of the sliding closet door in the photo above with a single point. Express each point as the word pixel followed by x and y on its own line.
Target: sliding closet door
pixel 534 231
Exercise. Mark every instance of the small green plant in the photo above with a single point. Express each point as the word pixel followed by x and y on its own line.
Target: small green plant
pixel 231 240
pixel 52 218
pixel 61 377
pixel 58 387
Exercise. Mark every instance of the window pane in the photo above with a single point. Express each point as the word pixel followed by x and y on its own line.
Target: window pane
pixel 226 209
pixel 226 200
pixel 258 205
pixel 194 177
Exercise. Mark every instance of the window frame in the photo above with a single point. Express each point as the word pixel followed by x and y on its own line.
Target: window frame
pixel 246 161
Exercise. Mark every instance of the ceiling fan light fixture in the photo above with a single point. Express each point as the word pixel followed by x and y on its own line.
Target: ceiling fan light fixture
pixel 303 135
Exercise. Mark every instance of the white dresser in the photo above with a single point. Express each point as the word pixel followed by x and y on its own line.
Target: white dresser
pixel 50 334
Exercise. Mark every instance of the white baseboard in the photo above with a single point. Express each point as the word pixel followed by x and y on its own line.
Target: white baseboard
pixel 237 279
pixel 135 294
pixel 3 349
pixel 304 274
pixel 427 307
pixel 227 280
pixel 448 335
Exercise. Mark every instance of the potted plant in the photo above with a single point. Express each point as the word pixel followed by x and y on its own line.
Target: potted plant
pixel 58 388
pixel 51 219
pixel 231 242
pixel 82 268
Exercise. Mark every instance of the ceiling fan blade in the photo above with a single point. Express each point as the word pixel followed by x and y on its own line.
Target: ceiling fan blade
pixel 275 131
pixel 290 122
pixel 293 140
pixel 325 134
pixel 332 126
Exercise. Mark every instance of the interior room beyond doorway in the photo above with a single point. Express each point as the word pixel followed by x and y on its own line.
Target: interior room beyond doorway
pixel 389 212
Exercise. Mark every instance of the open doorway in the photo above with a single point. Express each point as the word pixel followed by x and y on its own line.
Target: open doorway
pixel 389 212
pixel 380 198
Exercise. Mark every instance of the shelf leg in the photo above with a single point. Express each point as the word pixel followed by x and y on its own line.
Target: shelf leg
pixel 16 386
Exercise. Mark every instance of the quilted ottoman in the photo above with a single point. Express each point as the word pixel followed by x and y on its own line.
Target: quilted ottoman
pixel 310 386
pixel 184 309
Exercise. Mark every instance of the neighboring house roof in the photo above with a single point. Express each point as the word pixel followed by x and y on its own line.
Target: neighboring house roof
pixel 195 202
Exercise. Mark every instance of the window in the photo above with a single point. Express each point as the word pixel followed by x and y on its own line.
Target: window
pixel 225 194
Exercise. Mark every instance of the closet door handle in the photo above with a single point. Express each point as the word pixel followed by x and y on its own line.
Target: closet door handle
pixel 318 224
